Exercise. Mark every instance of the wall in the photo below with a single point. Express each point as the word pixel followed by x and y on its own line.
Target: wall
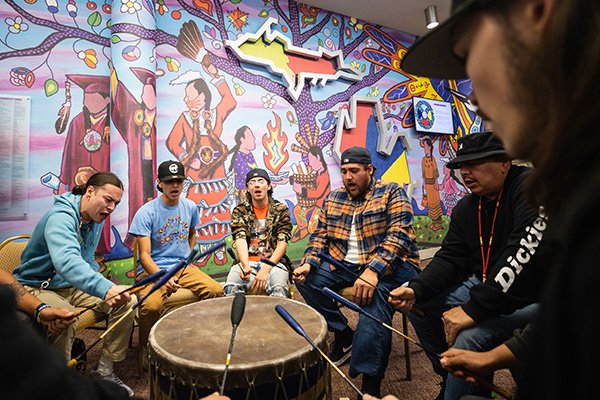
pixel 288 97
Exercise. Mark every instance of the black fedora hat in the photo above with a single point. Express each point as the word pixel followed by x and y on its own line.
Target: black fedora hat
pixel 476 146
pixel 431 56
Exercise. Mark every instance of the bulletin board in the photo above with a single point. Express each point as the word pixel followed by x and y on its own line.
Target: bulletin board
pixel 14 155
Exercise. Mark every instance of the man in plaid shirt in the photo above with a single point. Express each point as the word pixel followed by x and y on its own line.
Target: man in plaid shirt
pixel 367 226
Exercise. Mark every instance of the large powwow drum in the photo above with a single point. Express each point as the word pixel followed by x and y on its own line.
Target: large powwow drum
pixel 188 348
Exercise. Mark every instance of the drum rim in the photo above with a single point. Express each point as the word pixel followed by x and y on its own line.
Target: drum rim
pixel 320 340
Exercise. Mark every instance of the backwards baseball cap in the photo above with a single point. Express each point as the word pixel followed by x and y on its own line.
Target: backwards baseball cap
pixel 476 146
pixel 358 155
pixel 257 173
pixel 432 56
pixel 169 170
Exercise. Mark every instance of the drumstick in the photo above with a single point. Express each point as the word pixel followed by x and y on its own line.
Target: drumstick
pixel 192 257
pixel 207 252
pixel 237 312
pixel 338 264
pixel 272 264
pixel 283 313
pixel 73 361
pixel 355 307
pixel 138 286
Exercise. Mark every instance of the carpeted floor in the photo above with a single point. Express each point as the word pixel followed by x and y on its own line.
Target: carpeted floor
pixel 424 384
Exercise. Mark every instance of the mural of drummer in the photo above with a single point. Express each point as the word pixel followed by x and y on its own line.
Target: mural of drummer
pixel 87 143
pixel 195 141
pixel 311 189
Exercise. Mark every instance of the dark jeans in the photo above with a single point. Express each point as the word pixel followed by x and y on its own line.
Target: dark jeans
pixel 372 342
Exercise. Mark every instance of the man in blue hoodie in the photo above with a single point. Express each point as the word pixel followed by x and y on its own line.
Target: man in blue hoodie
pixel 58 266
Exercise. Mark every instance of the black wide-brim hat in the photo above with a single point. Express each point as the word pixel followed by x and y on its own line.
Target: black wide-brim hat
pixel 431 56
pixel 476 146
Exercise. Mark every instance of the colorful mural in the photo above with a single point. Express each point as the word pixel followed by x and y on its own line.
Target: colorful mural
pixel 223 87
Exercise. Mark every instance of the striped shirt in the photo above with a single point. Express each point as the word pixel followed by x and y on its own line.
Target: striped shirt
pixel 384 229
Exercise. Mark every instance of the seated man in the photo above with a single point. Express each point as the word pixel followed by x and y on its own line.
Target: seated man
pixel 166 232
pixel 476 291
pixel 367 226
pixel 32 370
pixel 261 227
pixel 58 266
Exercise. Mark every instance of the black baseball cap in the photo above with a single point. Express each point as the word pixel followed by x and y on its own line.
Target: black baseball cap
pixel 476 146
pixel 257 173
pixel 358 155
pixel 169 170
pixel 431 56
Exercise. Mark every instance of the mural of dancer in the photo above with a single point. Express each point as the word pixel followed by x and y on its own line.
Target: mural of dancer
pixel 311 186
pixel 136 122
pixel 450 191
pixel 242 160
pixel 431 195
pixel 87 144
pixel 195 141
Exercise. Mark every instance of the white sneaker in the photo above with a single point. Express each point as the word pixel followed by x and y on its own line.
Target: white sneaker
pixel 115 379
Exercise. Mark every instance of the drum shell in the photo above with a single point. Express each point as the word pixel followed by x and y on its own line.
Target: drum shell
pixel 188 347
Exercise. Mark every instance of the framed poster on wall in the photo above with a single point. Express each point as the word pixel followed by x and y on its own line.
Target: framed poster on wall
pixel 14 155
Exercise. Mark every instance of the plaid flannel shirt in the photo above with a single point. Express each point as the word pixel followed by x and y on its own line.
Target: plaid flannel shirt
pixel 384 229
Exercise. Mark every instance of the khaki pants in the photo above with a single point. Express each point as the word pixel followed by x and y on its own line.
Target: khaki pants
pixel 115 343
pixel 151 309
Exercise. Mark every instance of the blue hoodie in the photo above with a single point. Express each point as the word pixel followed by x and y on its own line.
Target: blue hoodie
pixel 61 249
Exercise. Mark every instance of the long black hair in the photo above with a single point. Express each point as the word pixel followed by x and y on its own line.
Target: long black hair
pixel 99 179
pixel 239 134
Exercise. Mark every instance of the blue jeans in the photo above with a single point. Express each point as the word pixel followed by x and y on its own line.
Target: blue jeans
pixel 372 342
pixel 485 336
pixel 277 283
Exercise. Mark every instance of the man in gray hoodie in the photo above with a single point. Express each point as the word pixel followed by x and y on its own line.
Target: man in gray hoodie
pixel 58 266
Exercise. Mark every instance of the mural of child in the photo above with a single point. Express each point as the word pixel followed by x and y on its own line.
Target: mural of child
pixel 311 190
pixel 195 141
pixel 136 122
pixel 87 144
pixel 431 196
pixel 242 160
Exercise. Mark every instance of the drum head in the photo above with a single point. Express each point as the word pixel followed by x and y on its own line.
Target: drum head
pixel 191 342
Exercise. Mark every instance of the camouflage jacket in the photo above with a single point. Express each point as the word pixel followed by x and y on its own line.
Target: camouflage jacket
pixel 278 224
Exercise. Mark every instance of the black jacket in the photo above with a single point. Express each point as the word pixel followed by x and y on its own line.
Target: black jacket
pixel 564 359
pixel 30 370
pixel 513 279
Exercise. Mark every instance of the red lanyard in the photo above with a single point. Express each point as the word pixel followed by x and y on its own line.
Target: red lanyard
pixel 486 260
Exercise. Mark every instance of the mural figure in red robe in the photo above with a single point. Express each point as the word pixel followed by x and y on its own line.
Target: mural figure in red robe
pixel 195 141
pixel 87 144
pixel 136 122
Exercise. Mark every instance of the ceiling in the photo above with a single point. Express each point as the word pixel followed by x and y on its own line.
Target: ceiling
pixel 402 15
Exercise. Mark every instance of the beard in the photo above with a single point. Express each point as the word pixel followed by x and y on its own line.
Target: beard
pixel 529 88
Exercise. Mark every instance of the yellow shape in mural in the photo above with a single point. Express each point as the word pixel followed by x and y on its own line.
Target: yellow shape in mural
pixel 398 171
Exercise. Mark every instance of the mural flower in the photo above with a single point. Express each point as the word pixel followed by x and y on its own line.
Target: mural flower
pixel 130 6
pixel 172 64
pixel 161 7
pixel 88 57
pixel 238 18
pixel 16 25
pixel 268 101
